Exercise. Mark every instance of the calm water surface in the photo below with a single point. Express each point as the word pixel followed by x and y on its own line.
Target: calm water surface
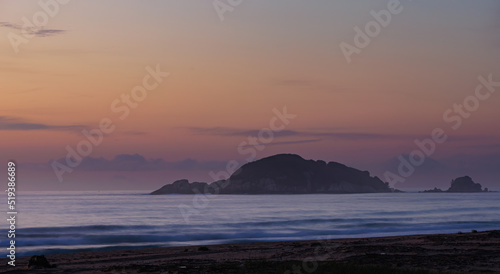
pixel 50 222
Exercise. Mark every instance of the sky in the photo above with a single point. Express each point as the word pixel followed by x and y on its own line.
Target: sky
pixel 168 90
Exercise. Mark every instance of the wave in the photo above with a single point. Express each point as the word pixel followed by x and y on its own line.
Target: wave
pixel 75 229
pixel 98 237
pixel 240 219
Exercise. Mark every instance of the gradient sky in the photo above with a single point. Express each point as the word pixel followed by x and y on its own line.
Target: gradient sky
pixel 226 77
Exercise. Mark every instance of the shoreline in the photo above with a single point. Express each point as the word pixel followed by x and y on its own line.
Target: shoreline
pixel 478 251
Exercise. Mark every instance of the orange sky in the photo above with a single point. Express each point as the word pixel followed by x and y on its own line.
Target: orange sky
pixel 226 77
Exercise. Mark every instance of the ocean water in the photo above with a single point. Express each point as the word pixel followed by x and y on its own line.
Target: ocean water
pixel 60 222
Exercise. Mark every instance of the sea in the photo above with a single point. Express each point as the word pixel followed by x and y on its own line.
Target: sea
pixel 62 222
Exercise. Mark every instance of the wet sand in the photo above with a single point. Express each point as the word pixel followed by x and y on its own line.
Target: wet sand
pixel 448 253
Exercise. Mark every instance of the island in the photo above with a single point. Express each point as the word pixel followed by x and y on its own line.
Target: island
pixel 285 174
pixel 463 184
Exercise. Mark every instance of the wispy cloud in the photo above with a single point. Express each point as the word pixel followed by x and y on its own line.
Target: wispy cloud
pixel 11 123
pixel 290 142
pixel 48 32
pixel 230 132
pixel 353 135
pixel 9 25
pixel 137 162
pixel 33 31
pixel 227 131
pixel 327 134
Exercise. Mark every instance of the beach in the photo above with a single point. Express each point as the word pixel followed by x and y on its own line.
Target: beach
pixel 459 252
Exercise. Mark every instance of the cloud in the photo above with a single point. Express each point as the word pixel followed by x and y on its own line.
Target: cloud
pixel 137 162
pixel 230 132
pixel 122 162
pixel 9 25
pixel 38 32
pixel 226 131
pixel 47 32
pixel 11 123
pixel 354 135
pixel 312 135
pixel 290 142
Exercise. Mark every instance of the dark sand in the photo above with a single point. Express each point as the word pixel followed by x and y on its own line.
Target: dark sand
pixel 449 253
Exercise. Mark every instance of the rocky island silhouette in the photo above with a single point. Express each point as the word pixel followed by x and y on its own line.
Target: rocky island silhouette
pixel 285 174
pixel 463 184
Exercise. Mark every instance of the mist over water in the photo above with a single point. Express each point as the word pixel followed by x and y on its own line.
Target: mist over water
pixel 58 222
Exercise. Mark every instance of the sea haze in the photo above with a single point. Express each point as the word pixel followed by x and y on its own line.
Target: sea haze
pixel 60 222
